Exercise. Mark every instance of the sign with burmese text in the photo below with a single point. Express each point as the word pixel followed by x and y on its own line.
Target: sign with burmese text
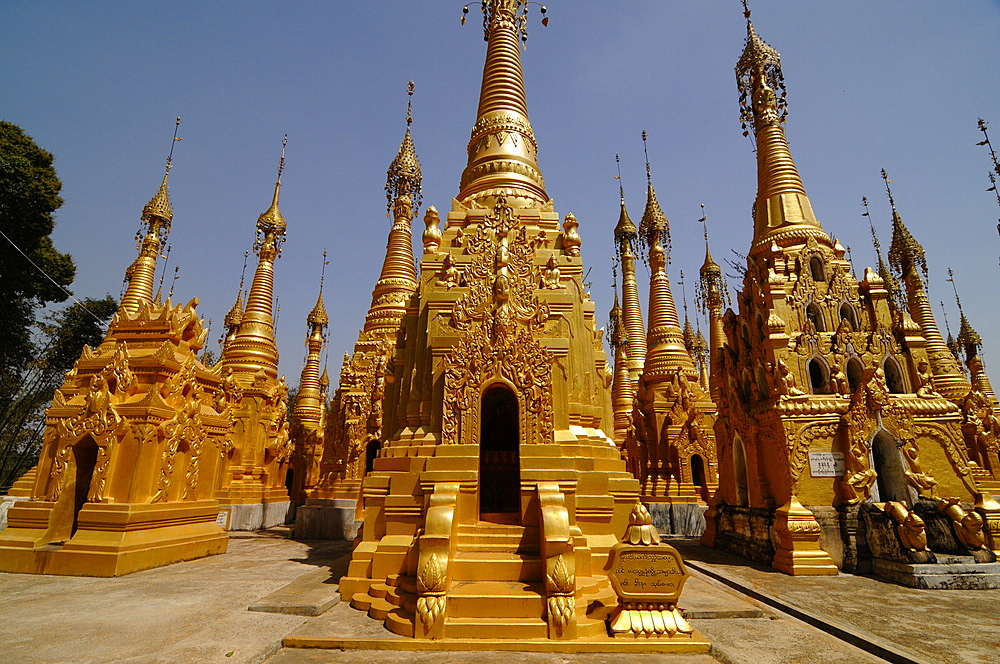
pixel 647 573
pixel 826 464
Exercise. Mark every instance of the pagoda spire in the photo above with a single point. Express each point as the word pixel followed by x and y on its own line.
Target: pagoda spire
pixel 253 347
pixel 308 402
pixel 156 218
pixel 906 257
pixel 633 331
pixel 622 391
pixel 502 149
pixel 665 338
pixel 398 278
pixel 782 211
pixel 711 296
pixel 970 341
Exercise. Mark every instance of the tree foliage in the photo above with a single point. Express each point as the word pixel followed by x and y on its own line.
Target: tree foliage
pixel 64 334
pixel 29 196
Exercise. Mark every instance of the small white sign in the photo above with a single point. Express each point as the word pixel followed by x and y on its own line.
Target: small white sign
pixel 222 519
pixel 826 464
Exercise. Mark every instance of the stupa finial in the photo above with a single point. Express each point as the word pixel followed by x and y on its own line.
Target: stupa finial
pixel 502 149
pixel 403 179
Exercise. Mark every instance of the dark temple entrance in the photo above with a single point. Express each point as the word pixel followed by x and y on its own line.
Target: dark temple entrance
pixel 499 459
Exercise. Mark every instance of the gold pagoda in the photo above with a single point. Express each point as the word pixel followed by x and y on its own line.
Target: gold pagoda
pixel 134 444
pixel 473 412
pixel 308 431
pixel 665 415
pixel 846 426
pixel 252 487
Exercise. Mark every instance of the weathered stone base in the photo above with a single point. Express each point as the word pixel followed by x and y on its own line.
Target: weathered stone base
pixel 745 532
pixel 257 516
pixel 678 518
pixel 830 534
pixel 6 502
pixel 950 573
pixel 327 519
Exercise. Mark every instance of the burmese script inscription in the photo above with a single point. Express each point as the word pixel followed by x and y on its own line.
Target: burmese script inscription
pixel 646 573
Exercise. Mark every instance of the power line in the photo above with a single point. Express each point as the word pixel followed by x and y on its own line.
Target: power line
pixel 46 274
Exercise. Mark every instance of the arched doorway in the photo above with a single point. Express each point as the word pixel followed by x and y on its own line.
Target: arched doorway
pixel 740 472
pixel 85 459
pixel 371 453
pixel 893 376
pixel 698 477
pixel 499 457
pixel 888 464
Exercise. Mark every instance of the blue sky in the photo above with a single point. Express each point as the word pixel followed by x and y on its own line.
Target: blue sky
pixel 870 84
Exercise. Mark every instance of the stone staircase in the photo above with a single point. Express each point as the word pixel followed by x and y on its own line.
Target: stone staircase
pixel 497 589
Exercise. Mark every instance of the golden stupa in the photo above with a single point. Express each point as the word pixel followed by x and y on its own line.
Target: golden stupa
pixel 849 435
pixel 251 488
pixel 664 414
pixel 472 415
pixel 134 444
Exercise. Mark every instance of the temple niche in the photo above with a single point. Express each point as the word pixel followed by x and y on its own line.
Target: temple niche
pixel 849 437
pixel 134 445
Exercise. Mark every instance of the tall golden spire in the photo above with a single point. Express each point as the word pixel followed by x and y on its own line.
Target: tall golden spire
pixel 710 296
pixel 308 402
pixel 622 393
pixel 398 279
pixel 156 218
pixel 633 331
pixel 253 347
pixel 906 257
pixel 782 211
pixel 502 149
pixel 665 338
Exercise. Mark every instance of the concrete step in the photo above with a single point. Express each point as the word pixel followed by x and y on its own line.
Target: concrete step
pixel 491 628
pixel 496 599
pixel 495 566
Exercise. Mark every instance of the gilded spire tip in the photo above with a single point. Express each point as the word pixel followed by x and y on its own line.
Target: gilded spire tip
pixel 404 178
pixel 654 224
pixel 271 224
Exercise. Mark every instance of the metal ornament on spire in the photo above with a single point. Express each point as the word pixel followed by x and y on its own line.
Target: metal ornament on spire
pixel 625 231
pixel 758 76
pixel 404 177
pixel 967 335
pixel 654 225
pixel 515 11
pixel 271 225
pixel 905 253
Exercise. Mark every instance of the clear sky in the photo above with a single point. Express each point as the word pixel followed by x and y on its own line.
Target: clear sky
pixel 894 84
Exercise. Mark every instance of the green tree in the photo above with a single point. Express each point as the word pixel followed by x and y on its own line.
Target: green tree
pixel 29 195
pixel 63 335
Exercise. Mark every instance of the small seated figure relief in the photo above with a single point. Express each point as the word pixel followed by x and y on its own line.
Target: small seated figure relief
pixel 459 239
pixel 786 384
pixel 925 380
pixel 450 275
pixel 838 380
pixel 550 275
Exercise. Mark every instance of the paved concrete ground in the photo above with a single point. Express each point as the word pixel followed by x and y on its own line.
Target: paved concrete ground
pixel 937 626
pixel 193 612
pixel 196 612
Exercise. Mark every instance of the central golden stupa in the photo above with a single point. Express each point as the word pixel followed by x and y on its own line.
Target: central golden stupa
pixel 492 505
